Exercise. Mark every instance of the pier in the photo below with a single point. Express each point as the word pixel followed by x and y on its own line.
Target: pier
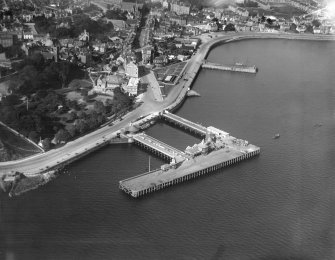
pixel 217 150
pixel 159 147
pixel 184 123
pixel 235 68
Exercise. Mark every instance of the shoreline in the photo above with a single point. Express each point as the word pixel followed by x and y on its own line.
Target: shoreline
pixel 192 70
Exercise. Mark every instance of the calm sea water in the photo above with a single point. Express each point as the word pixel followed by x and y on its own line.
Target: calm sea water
pixel 280 205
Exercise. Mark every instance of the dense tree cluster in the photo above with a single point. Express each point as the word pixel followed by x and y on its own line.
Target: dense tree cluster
pixel 36 82
pixel 77 26
pixel 36 74
pixel 229 27
pixel 34 120
pixel 116 14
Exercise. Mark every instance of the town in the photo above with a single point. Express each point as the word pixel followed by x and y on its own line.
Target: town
pixel 69 69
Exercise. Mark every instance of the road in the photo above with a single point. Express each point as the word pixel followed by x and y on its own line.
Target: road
pixel 153 84
pixel 36 164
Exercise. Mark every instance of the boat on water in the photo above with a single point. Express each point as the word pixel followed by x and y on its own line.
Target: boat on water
pixel 276 136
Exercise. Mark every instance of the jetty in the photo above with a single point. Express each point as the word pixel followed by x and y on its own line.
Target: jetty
pixel 157 146
pixel 217 150
pixel 184 123
pixel 237 67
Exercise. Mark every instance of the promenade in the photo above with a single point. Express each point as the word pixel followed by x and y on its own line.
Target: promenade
pixel 75 149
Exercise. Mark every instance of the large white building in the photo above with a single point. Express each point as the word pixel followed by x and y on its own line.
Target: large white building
pixel 132 70
pixel 132 86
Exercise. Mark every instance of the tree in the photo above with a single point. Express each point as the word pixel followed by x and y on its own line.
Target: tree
pixel 269 21
pixel 72 130
pixel 229 27
pixel 309 28
pixel 62 136
pixel 64 72
pixel 28 73
pixel 33 136
pixel 99 107
pixel 316 23
pixel 293 27
pixel 46 143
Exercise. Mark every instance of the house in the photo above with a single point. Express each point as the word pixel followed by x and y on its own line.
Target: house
pixel 146 55
pixel 182 57
pixel 130 7
pixel 106 85
pixel 160 61
pixel 132 87
pixel 85 36
pixel 180 8
pixel 118 24
pixel 316 30
pixel 100 47
pixel 7 39
pixel 85 58
pixel 28 35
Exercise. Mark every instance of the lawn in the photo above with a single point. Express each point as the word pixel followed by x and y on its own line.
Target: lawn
pixel 172 70
pixel 16 146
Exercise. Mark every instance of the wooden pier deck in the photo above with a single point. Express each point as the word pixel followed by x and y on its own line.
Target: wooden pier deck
pixel 188 169
pixel 234 68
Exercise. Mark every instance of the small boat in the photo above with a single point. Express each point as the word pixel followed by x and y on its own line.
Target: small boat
pixel 276 136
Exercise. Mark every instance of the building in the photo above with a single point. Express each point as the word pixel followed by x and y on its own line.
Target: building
pixel 132 86
pixel 114 2
pixel 85 58
pixel 106 85
pixel 7 39
pixel 50 53
pixel 160 61
pixel 146 55
pixel 118 24
pixel 85 36
pixel 165 4
pixel 130 7
pixel 180 8
pixel 132 70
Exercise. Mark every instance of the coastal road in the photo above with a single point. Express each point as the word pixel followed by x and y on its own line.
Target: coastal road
pixel 35 164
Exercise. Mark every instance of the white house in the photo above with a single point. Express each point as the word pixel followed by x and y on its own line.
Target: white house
pixel 132 86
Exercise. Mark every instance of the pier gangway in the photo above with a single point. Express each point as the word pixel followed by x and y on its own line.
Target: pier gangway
pixel 159 147
pixel 184 123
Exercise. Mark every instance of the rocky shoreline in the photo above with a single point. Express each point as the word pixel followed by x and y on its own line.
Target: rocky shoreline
pixel 17 183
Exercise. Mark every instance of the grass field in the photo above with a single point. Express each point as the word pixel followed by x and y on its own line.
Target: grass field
pixel 16 146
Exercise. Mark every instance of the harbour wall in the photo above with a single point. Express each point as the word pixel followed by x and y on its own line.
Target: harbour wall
pixel 222 39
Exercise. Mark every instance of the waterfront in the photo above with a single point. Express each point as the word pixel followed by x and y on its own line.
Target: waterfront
pixel 278 205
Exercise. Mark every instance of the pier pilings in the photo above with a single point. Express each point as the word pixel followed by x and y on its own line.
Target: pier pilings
pixel 168 182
